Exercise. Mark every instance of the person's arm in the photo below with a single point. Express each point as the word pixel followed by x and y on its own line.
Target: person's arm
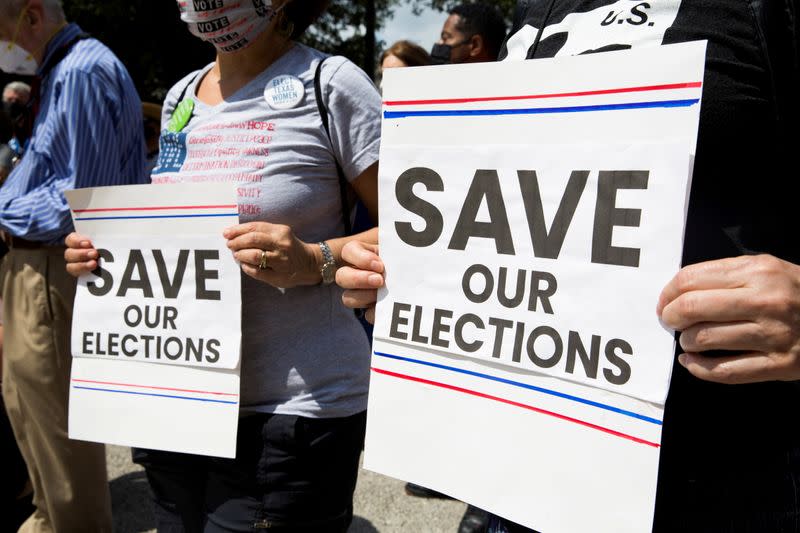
pixel 292 262
pixel 84 130
pixel 366 187
pixel 41 214
pixel 6 162
pixel 80 255
pixel 748 304
pixel 355 107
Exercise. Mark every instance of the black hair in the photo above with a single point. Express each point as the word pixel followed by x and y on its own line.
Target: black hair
pixel 482 19
pixel 303 13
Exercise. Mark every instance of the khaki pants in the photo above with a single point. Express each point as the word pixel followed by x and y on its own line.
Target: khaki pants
pixel 69 477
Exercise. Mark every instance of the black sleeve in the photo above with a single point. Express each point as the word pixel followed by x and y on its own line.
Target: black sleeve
pixel 781 28
pixel 520 14
pixel 795 14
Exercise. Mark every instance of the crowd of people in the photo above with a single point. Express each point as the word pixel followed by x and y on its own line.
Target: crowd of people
pixel 730 458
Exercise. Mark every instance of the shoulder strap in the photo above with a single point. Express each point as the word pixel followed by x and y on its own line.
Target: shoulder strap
pixel 186 87
pixel 343 185
pixel 180 99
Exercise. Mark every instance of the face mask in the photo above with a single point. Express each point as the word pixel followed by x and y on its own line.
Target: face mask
pixel 229 25
pixel 440 54
pixel 13 58
pixel 16 60
pixel 14 110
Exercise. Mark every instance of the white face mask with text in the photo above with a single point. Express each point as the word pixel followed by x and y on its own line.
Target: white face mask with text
pixel 229 25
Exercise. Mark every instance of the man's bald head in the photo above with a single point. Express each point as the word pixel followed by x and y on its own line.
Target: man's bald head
pixel 31 23
pixel 10 10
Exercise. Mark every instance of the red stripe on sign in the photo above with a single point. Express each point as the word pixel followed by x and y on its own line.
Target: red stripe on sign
pixel 159 208
pixel 623 90
pixel 151 387
pixel 517 404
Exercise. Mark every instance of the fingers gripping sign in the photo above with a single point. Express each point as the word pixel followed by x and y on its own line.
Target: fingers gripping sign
pixel 361 277
pixel 273 254
pixel 748 304
pixel 80 255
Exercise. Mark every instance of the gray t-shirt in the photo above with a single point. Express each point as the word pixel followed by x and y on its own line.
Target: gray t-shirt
pixel 303 352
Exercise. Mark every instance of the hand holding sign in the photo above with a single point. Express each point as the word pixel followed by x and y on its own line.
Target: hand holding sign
pixel 156 330
pixel 290 262
pixel 363 278
pixel 80 255
pixel 526 250
pixel 749 304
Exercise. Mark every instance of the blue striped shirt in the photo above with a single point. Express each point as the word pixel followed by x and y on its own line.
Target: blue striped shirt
pixel 88 133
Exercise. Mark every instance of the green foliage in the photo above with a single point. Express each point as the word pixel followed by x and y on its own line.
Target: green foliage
pixel 344 29
pixel 148 36
pixel 158 50
pixel 505 6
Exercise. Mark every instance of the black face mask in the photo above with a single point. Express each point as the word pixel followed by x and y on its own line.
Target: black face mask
pixel 14 110
pixel 19 116
pixel 440 54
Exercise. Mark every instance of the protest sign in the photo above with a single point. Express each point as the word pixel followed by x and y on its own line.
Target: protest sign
pixel 531 213
pixel 156 330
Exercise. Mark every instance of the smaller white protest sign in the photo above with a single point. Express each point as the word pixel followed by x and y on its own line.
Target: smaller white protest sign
pixel 156 330
pixel 159 304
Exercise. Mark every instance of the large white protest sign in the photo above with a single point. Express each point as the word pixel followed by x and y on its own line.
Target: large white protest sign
pixel 531 213
pixel 157 327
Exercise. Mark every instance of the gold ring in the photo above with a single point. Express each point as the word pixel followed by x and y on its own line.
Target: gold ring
pixel 262 265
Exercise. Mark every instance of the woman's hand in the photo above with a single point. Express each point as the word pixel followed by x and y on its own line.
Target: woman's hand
pixel 80 255
pixel 273 254
pixel 362 278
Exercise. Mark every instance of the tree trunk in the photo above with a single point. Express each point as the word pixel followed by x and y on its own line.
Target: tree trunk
pixel 370 54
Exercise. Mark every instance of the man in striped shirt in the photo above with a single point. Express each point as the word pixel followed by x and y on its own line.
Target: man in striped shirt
pixel 86 130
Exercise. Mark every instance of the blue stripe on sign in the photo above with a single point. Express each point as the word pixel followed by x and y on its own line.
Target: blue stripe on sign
pixel 539 110
pixel 156 395
pixel 526 386
pixel 159 216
